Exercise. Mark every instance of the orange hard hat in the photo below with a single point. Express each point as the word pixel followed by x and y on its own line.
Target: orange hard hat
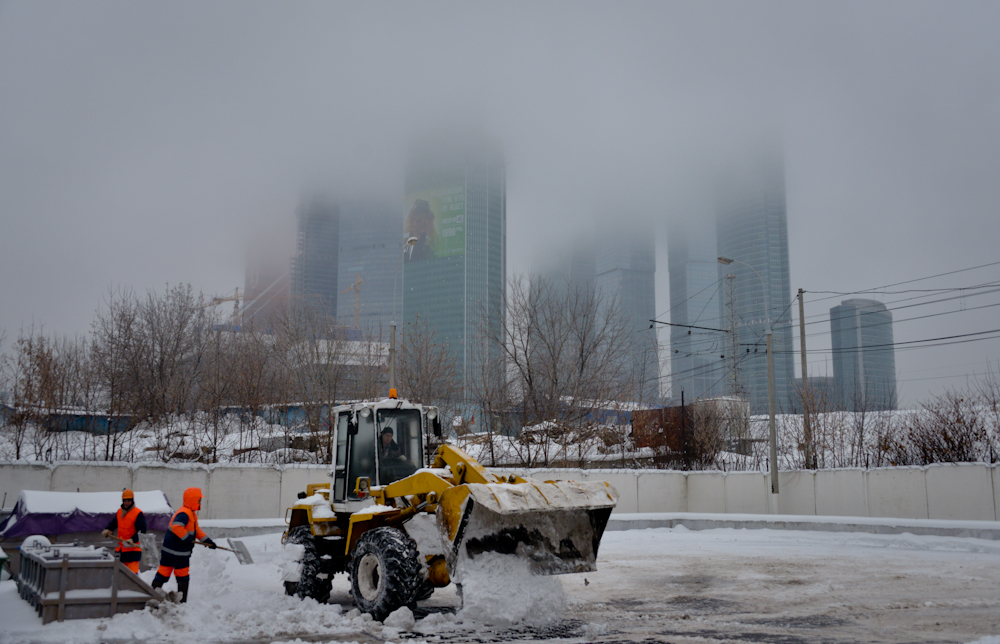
pixel 128 494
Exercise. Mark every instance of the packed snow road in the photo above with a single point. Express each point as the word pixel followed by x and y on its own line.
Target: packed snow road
pixel 658 585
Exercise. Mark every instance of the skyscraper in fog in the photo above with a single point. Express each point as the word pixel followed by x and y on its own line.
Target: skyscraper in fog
pixel 314 267
pixel 864 360
pixel 625 269
pixel 456 208
pixel 752 228
pixel 371 243
pixel 697 365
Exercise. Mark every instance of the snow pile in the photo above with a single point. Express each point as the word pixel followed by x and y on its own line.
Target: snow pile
pixel 320 506
pixel 500 590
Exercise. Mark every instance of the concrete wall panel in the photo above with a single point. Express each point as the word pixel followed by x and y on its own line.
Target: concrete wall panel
pixel 797 492
pixel 841 493
pixel 662 491
pixel 995 472
pixel 172 481
pixel 624 481
pixel 90 477
pixel 706 492
pixel 898 492
pixel 746 492
pixel 960 491
pixel 20 476
pixel 249 493
pixel 294 479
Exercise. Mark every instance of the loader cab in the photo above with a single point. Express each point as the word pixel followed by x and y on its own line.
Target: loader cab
pixel 384 441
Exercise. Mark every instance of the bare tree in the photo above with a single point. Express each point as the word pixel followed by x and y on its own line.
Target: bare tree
pixel 314 353
pixel 427 372
pixel 118 361
pixel 563 352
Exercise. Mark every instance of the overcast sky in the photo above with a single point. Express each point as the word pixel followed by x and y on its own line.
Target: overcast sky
pixel 149 143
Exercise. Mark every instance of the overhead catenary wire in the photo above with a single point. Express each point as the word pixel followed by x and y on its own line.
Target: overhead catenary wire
pixel 919 279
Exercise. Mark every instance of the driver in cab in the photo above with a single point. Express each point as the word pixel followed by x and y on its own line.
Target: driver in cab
pixel 392 465
pixel 389 449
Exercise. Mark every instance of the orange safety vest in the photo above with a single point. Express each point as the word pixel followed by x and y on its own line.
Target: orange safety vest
pixel 126 528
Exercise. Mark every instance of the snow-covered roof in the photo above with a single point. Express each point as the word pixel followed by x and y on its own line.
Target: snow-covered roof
pixel 39 502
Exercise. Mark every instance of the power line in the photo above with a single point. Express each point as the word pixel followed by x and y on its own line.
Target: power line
pixel 919 279
pixel 902 344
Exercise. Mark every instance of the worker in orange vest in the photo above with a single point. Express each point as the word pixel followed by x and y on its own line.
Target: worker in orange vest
pixel 129 521
pixel 175 555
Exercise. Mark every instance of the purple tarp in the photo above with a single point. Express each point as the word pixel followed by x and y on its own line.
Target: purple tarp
pixel 51 513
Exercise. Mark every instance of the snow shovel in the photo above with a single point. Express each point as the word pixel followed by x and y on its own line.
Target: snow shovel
pixel 150 551
pixel 238 549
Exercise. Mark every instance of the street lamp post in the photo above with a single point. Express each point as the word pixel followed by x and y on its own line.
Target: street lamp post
pixel 772 433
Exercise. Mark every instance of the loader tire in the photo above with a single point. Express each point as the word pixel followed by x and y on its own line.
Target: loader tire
pixel 424 591
pixel 385 572
pixel 311 582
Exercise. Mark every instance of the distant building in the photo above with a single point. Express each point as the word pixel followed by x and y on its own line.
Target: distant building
pixel 864 360
pixel 570 268
pixel 266 293
pixel 371 244
pixel 625 269
pixel 314 267
pixel 454 275
pixel 752 228
pixel 697 355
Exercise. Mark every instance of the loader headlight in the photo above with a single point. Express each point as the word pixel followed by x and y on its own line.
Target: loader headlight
pixel 432 413
pixel 365 412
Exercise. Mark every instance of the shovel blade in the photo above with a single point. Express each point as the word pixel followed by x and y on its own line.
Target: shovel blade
pixel 241 552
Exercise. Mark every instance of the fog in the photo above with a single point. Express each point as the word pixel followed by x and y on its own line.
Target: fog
pixel 146 144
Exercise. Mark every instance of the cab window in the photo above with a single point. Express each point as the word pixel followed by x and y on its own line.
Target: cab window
pixel 399 440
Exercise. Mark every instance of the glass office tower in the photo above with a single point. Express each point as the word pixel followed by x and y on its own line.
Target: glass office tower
pixel 455 208
pixel 625 268
pixel 752 228
pixel 371 245
pixel 864 360
pixel 314 267
pixel 697 362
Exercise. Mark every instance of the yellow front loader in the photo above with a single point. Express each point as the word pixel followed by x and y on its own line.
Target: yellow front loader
pixel 410 519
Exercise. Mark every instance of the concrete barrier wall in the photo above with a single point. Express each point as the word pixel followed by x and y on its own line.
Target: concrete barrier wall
pixel 967 491
pixel 960 491
pixel 897 492
pixel 841 493
pixel 746 492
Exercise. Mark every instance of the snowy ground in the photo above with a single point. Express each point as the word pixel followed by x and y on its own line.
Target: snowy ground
pixel 657 585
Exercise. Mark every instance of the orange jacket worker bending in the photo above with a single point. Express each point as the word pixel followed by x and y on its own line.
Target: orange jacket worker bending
pixel 175 556
pixel 129 521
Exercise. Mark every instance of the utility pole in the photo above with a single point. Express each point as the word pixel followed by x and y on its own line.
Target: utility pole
pixel 772 432
pixel 804 391
pixel 392 355
pixel 733 350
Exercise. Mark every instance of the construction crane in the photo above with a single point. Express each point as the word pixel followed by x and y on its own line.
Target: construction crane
pixel 235 298
pixel 356 287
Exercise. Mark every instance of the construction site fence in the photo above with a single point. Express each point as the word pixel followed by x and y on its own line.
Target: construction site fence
pixel 958 491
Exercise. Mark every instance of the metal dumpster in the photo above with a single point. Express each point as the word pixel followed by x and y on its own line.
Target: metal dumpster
pixel 78 582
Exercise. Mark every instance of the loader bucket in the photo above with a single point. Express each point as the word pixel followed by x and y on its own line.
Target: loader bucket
pixel 556 525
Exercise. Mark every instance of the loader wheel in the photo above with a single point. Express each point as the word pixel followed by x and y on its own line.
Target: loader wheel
pixel 425 590
pixel 311 584
pixel 385 571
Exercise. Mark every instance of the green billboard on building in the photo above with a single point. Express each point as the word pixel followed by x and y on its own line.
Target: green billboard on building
pixel 436 217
